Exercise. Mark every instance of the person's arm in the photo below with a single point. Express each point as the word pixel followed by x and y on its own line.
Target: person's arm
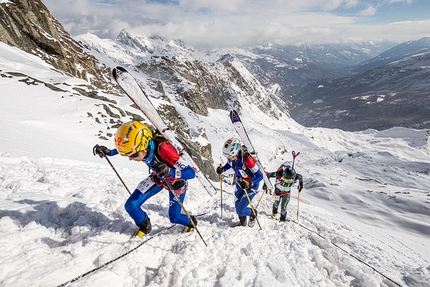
pixel 181 169
pixel 271 174
pixel 103 151
pixel 220 169
pixel 300 179
pixel 258 176
pixel 276 174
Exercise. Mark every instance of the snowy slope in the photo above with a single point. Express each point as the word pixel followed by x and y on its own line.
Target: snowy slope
pixel 363 219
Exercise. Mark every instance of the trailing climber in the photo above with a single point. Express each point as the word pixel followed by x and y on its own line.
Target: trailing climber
pixel 286 177
pixel 248 178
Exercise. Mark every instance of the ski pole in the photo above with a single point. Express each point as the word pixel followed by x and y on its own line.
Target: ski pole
pixel 252 208
pixel 260 199
pixel 264 191
pixel 117 174
pixel 220 186
pixel 170 187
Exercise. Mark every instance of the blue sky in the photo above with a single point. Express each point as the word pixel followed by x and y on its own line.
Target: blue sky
pixel 241 23
pixel 400 11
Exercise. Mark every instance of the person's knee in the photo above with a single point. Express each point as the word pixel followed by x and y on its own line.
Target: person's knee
pixel 240 210
pixel 174 219
pixel 129 205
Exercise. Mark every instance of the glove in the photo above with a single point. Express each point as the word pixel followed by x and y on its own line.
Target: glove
pixel 219 170
pixel 245 184
pixel 155 179
pixel 100 150
pixel 162 170
pixel 266 189
pixel 299 188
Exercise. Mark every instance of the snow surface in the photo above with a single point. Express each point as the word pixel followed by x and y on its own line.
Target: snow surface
pixel 364 217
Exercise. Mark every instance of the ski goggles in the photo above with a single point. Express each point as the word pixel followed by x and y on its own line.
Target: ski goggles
pixel 287 180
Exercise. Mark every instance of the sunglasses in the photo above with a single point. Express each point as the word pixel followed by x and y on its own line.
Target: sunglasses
pixel 135 155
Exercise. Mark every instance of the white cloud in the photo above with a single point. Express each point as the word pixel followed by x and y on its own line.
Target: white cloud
pixel 369 11
pixel 400 1
pixel 229 23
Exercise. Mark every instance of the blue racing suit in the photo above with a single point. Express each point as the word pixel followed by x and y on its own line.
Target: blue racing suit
pixel 180 172
pixel 245 168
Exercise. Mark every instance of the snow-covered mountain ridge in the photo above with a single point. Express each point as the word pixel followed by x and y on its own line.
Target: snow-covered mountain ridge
pixel 199 80
pixel 293 67
pixel 396 53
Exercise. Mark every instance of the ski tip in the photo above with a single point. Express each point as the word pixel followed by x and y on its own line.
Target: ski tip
pixel 118 70
pixel 234 116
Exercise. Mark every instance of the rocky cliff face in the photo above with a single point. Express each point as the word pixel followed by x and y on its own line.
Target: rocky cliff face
pixel 196 85
pixel 29 26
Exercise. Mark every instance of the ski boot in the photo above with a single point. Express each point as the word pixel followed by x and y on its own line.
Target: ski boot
pixel 283 217
pixel 144 228
pixel 242 220
pixel 252 218
pixel 274 212
pixel 190 227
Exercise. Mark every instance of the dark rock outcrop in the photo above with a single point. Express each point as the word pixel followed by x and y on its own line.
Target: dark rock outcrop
pixel 29 26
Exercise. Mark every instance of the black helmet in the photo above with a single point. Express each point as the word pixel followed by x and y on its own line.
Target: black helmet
pixel 289 172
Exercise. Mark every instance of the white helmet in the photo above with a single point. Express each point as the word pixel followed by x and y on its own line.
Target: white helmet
pixel 231 147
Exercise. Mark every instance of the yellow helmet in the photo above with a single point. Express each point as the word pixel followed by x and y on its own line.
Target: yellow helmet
pixel 132 137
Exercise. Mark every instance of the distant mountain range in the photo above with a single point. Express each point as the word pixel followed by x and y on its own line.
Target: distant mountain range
pixel 348 86
pixel 392 89
pixel 293 67
pixel 399 52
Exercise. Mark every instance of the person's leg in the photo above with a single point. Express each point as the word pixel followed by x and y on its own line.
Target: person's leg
pixel 275 206
pixel 145 190
pixel 175 210
pixel 285 199
pixel 241 205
